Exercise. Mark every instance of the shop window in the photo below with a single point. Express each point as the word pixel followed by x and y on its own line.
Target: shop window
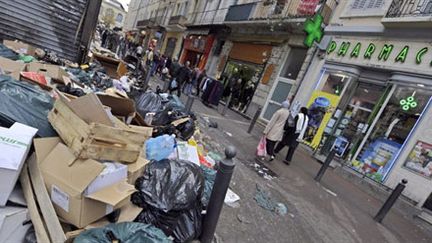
pixel 293 63
pixel 334 84
pixel 376 157
pixel 240 81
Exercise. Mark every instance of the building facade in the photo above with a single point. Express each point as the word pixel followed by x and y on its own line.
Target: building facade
pixel 369 93
pixel 112 13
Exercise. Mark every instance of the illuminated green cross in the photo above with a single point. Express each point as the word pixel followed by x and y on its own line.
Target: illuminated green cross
pixel 313 29
pixel 408 103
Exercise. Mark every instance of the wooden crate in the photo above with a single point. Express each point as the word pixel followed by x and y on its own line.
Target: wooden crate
pixel 97 141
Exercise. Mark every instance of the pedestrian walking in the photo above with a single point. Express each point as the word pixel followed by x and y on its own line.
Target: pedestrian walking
pixel 275 128
pixel 294 132
pixel 183 77
pixel 202 77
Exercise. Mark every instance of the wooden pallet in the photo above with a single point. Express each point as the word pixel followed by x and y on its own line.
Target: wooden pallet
pixel 45 221
pixel 97 141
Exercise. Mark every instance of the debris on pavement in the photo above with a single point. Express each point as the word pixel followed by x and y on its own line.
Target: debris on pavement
pixel 264 200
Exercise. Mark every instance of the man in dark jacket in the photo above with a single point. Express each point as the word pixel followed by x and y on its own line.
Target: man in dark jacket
pixel 184 76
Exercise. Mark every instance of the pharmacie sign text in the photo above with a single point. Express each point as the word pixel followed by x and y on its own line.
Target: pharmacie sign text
pixel 380 52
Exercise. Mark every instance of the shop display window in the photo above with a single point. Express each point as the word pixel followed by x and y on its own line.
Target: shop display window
pixel 335 84
pixel 419 160
pixel 240 80
pixel 376 157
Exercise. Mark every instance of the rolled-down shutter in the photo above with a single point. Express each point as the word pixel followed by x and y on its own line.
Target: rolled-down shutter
pixel 52 24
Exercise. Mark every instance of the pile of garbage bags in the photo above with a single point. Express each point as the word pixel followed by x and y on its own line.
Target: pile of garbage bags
pixel 164 110
pixel 170 193
pixel 25 103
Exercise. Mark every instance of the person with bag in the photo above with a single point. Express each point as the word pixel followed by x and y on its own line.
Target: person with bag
pixel 294 132
pixel 275 128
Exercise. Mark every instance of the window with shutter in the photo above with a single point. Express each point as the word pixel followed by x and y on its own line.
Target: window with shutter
pixel 366 8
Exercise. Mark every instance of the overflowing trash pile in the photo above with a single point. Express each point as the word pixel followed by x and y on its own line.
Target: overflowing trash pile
pixel 86 157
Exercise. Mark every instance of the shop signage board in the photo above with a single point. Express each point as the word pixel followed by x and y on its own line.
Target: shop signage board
pixel 419 160
pixel 381 53
pixel 321 106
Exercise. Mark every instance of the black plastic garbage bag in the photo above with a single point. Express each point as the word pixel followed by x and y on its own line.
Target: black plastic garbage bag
pixel 186 130
pixel 148 102
pixel 171 185
pixel 25 103
pixel 183 226
pixel 8 53
pixel 126 232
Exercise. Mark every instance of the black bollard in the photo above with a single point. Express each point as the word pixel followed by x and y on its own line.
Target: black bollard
pixel 325 165
pixel 222 181
pixel 189 103
pixel 254 119
pixel 390 201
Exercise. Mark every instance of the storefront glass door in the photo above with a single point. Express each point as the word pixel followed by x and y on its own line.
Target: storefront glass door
pixel 351 120
pixel 376 154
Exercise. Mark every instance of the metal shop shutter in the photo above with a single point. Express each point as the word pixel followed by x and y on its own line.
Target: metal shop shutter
pixel 55 25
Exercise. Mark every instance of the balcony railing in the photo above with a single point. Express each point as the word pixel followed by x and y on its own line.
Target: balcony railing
pixel 210 17
pixel 410 8
pixel 289 9
pixel 145 23
pixel 179 19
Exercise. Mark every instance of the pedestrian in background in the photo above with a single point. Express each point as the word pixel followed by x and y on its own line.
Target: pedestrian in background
pixel 183 77
pixel 275 128
pixel 294 132
pixel 202 77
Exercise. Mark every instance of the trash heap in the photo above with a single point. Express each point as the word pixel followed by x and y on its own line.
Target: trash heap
pixel 80 150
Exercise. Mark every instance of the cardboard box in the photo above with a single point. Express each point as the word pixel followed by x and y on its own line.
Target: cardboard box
pixel 112 174
pixel 36 78
pixel 121 107
pixel 53 71
pixel 136 169
pixel 15 143
pixel 20 47
pixel 12 227
pixel 11 68
pixel 67 178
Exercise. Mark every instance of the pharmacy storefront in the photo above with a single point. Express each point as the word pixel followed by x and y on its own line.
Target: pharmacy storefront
pixel 369 100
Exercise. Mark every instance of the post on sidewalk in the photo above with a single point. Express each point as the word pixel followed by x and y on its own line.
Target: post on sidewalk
pixel 254 119
pixel 225 108
pixel 390 201
pixel 189 102
pixel 220 188
pixel 325 165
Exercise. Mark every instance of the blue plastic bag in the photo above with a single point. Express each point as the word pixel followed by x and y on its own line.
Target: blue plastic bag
pixel 160 148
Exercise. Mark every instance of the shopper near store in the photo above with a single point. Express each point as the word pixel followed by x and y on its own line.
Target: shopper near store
pixel 246 96
pixel 183 77
pixel 274 130
pixel 235 94
pixel 294 132
pixel 201 78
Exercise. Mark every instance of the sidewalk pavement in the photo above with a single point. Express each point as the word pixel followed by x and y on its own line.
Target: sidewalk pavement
pixel 334 211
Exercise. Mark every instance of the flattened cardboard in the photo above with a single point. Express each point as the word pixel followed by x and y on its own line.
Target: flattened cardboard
pixel 12 68
pixel 114 194
pixel 90 109
pixel 119 106
pixel 20 47
pixel 52 71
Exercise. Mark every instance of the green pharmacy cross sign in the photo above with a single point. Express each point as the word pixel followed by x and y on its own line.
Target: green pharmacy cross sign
pixel 408 103
pixel 313 30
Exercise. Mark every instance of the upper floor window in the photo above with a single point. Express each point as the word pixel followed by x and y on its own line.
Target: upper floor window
pixel 366 8
pixel 119 18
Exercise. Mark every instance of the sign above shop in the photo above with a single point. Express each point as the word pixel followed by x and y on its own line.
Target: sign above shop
pixel 314 30
pixel 380 53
